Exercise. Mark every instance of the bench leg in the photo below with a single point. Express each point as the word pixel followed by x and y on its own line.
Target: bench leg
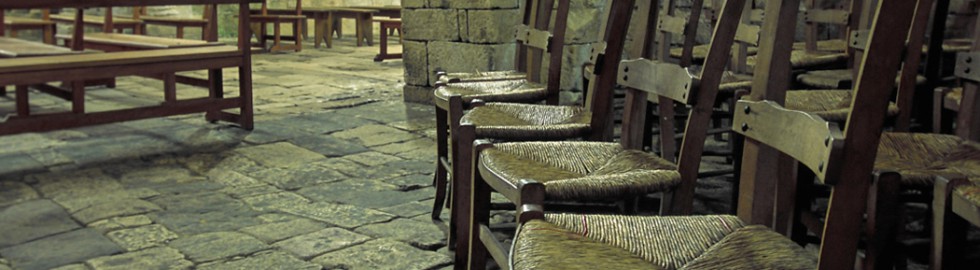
pixel 297 30
pixel 318 25
pixel 384 45
pixel 78 97
pixel 215 91
pixel 170 87
pixel 23 106
pixel 245 93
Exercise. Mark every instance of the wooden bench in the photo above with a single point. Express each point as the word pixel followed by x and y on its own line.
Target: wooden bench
pixel 159 63
pixel 39 70
pixel 386 25
pixel 328 20
pixel 118 24
pixel 204 22
pixel 16 48
pixel 44 24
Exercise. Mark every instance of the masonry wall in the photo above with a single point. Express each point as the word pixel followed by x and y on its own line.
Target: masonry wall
pixel 478 35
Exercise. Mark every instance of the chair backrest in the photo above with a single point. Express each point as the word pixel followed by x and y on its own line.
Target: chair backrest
pixel 606 56
pixel 968 71
pixel 535 40
pixel 670 24
pixel 842 159
pixel 673 82
pixel 815 17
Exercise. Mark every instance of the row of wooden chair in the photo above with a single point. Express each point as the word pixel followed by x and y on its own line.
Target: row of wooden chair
pixel 535 173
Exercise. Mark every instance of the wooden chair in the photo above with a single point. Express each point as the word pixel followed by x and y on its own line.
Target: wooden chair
pixel 573 241
pixel 260 20
pixel 205 22
pixel 956 203
pixel 451 99
pixel 528 58
pixel 43 24
pixel 535 172
pixel 117 24
pixel 816 53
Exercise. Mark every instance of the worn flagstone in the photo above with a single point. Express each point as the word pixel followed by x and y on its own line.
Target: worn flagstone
pixel 217 245
pixel 153 258
pixel 274 232
pixel 32 220
pixel 382 254
pixel 60 249
pixel 307 246
pixel 263 260
pixel 138 238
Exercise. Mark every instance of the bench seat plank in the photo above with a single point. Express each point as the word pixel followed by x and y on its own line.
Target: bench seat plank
pixel 173 21
pixel 82 61
pixel 12 47
pixel 96 20
pixel 19 21
pixel 139 41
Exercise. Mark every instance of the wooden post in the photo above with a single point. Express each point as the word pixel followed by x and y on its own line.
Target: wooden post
pixel 772 78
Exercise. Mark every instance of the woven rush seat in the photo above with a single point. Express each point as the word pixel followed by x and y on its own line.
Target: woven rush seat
pixel 700 52
pixel 920 157
pixel 569 241
pixel 581 170
pixel 836 78
pixel 954 97
pixel 493 91
pixel 969 192
pixel 831 105
pixel 803 59
pixel 484 76
pixel 514 121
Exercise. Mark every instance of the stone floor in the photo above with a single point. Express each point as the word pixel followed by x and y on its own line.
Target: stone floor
pixel 336 175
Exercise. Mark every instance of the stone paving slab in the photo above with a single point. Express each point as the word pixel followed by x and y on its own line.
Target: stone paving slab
pixel 382 254
pixel 274 232
pixel 154 258
pixel 424 235
pixel 268 260
pixel 307 246
pixel 133 239
pixel 208 247
pixel 61 249
pixel 32 220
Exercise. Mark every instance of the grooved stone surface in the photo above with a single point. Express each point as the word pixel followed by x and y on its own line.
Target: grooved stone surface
pixel 212 246
pixel 32 220
pixel 57 250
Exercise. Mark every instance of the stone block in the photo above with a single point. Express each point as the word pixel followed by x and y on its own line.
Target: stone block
pixel 466 57
pixel 417 94
pixel 438 3
pixel 490 26
pixel 583 25
pixel 416 58
pixel 430 24
pixel 483 4
pixel 414 3
pixel 142 237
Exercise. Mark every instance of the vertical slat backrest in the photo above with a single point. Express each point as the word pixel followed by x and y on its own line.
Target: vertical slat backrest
pixel 908 78
pixel 599 101
pixel 873 86
pixel 968 122
pixel 520 61
pixel 541 14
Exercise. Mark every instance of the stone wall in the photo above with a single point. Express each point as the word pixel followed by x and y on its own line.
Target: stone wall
pixel 471 35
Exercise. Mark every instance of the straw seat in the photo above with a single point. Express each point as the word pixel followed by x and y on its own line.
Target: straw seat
pixel 803 59
pixel 568 241
pixel 481 76
pixel 920 157
pixel 831 105
pixel 700 52
pixel 836 78
pixel 954 97
pixel 493 91
pixel 515 121
pixel 969 192
pixel 581 170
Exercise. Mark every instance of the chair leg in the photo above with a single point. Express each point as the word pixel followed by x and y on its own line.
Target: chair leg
pixel 3 91
pixel 23 104
pixel 479 215
pixel 948 229
pixel 440 179
pixel 462 177
pixel 455 113
pixel 884 221
pixel 298 33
